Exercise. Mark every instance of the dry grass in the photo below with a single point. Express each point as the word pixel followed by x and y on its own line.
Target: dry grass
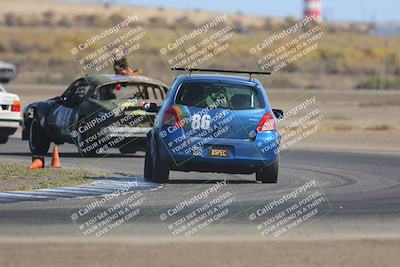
pixel 69 9
pixel 15 176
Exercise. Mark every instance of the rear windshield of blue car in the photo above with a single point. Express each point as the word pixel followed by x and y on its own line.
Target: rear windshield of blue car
pixel 220 95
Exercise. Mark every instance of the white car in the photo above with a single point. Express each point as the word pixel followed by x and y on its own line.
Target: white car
pixel 8 71
pixel 10 114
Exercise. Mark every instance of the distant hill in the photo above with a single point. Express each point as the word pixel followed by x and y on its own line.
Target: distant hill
pixel 34 12
pixel 38 36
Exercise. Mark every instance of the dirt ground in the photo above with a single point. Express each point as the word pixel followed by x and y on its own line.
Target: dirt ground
pixel 71 252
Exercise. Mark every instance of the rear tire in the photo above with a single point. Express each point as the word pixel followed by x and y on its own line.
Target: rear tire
pixel 155 170
pixel 147 166
pixel 3 138
pixel 39 143
pixel 160 170
pixel 268 174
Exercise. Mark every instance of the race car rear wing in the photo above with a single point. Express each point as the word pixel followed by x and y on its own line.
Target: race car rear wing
pixel 249 72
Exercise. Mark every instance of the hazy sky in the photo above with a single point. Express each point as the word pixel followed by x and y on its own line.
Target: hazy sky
pixel 349 10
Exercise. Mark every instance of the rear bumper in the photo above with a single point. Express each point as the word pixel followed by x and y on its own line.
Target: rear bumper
pixel 8 75
pixel 243 156
pixel 10 123
pixel 234 166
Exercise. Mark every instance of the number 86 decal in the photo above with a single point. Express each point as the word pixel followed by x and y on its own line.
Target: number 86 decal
pixel 201 122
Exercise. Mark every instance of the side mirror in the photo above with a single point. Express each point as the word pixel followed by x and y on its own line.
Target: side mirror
pixel 150 107
pixel 278 113
pixel 60 99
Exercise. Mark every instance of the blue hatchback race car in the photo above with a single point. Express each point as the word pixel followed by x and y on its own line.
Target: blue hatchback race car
pixel 214 123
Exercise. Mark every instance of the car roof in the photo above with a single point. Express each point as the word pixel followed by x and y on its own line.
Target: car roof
pixel 217 77
pixel 101 79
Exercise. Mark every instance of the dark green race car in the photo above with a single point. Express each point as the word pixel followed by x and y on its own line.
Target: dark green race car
pixel 98 113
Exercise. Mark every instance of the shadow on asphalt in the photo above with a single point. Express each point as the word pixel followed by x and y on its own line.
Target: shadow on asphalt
pixel 198 181
pixel 18 154
pixel 126 177
pixel 72 155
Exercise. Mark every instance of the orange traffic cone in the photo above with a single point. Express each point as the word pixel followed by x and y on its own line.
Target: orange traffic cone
pixel 55 159
pixel 36 164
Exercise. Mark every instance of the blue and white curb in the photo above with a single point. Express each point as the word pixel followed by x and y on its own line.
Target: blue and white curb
pixel 99 187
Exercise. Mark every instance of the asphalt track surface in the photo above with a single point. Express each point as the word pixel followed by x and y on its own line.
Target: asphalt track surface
pixel 361 193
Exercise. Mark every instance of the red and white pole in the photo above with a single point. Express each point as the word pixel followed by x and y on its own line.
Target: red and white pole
pixel 313 8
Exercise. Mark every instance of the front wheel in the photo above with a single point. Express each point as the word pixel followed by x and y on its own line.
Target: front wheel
pixel 39 143
pixel 3 138
pixel 4 80
pixel 268 174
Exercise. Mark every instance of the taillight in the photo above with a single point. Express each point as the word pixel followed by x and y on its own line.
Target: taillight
pixel 171 117
pixel 16 106
pixel 267 123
